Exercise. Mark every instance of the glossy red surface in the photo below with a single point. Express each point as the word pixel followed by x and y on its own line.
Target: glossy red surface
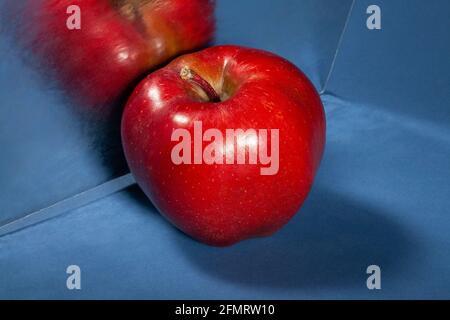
pixel 221 204
pixel 119 40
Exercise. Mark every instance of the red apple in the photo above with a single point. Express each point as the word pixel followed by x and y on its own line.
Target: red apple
pixel 118 40
pixel 175 131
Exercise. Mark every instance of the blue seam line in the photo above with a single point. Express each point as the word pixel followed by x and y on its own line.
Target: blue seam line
pixel 68 204
pixel 339 44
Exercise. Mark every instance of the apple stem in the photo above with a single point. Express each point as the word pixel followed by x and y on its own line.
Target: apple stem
pixel 188 74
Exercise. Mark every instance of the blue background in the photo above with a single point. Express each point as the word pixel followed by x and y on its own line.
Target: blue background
pixel 381 195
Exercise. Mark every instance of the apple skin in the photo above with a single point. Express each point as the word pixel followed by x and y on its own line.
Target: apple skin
pixel 223 204
pixel 119 40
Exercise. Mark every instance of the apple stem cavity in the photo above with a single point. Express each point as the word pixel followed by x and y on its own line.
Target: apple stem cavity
pixel 190 75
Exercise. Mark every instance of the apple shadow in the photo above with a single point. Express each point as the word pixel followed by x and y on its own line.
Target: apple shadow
pixel 330 242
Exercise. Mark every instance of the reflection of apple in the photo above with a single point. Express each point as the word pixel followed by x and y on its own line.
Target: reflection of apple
pixel 220 88
pixel 118 41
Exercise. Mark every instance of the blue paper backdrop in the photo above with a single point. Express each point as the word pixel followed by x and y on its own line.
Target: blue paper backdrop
pixel 381 195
